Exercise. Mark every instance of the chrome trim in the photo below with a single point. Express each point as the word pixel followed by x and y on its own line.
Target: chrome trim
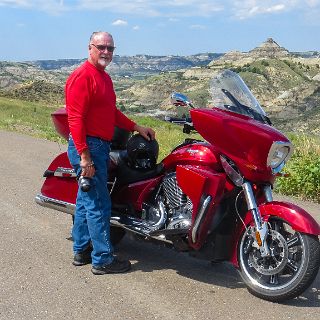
pixel 252 205
pixel 138 227
pixel 60 171
pixel 273 148
pixel 55 204
pixel 163 216
pixel 112 183
pixel 132 224
pixel 181 100
pixel 268 193
pixel 260 226
pixel 251 201
pixel 202 211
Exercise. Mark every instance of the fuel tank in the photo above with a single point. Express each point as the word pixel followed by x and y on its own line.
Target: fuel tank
pixel 197 154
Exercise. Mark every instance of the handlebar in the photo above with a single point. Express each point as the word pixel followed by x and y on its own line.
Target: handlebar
pixel 176 120
pixel 186 122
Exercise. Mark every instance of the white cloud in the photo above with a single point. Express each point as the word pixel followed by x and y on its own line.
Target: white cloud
pixel 142 7
pixel 244 9
pixel 167 8
pixel 120 22
pixel 197 26
pixel 174 9
pixel 136 28
pixel 276 8
pixel 49 6
pixel 14 3
pixel 313 3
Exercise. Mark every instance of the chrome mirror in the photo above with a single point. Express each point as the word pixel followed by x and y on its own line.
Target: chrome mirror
pixel 179 99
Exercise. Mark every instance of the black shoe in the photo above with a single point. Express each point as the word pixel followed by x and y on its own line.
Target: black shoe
pixel 116 266
pixel 82 258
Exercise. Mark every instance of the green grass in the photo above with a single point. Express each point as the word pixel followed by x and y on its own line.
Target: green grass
pixel 27 117
pixel 35 119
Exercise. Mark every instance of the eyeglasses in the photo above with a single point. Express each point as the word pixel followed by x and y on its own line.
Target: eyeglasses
pixel 103 48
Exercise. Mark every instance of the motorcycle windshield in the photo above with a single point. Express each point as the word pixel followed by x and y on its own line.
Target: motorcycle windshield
pixel 229 92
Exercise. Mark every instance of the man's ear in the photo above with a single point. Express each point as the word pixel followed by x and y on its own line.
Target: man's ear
pixel 89 47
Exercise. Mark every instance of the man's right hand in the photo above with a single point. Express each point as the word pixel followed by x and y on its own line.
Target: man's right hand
pixel 87 165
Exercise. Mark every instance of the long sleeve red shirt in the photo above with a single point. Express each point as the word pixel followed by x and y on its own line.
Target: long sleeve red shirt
pixel 91 106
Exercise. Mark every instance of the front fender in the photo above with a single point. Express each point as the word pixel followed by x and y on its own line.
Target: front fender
pixel 299 219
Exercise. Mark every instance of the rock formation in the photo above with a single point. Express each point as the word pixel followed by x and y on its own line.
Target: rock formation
pixel 269 49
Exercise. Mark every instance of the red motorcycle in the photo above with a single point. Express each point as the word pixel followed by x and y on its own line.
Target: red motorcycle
pixel 212 198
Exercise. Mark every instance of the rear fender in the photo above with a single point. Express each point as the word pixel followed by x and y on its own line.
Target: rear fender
pixel 299 220
pixel 199 184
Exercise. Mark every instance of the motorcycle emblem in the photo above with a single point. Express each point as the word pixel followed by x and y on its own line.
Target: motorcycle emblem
pixel 192 152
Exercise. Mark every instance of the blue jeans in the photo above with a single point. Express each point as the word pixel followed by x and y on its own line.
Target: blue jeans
pixel 93 208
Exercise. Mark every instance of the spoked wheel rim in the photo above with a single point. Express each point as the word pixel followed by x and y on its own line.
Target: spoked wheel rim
pixel 283 267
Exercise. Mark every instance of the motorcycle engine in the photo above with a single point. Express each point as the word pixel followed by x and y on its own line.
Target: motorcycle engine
pixel 179 206
pixel 171 209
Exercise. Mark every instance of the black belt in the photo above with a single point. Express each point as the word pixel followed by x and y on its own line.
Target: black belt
pixel 98 138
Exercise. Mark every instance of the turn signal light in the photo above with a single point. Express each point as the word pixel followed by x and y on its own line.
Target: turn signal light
pixel 258 238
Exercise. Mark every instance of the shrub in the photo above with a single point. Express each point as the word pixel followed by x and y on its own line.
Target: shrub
pixel 304 170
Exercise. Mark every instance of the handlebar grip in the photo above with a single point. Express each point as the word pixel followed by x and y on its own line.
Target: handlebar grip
pixel 177 120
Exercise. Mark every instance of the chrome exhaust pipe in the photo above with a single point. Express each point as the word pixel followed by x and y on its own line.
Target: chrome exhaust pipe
pixel 132 224
pixel 137 226
pixel 55 204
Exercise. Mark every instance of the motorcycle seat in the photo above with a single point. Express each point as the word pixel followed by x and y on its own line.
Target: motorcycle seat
pixel 116 156
pixel 125 174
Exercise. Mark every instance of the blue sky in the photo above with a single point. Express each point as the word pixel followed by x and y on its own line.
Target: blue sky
pixel 58 29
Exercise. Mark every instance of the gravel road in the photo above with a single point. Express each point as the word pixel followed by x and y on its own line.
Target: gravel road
pixel 38 281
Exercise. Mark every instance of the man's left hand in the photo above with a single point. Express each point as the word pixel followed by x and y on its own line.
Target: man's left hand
pixel 147 133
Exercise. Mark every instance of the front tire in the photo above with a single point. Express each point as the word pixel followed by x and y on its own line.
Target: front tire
pixel 288 272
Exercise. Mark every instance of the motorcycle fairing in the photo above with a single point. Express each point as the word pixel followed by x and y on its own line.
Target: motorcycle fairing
pixel 136 193
pixel 299 219
pixel 244 140
pixel 198 184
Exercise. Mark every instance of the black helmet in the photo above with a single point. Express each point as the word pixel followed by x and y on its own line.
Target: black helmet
pixel 120 138
pixel 142 154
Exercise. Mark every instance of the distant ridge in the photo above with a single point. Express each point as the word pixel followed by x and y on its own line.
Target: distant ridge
pixel 287 84
pixel 269 49
pixel 126 65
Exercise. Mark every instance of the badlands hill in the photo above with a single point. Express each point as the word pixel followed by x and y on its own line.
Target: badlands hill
pixel 286 84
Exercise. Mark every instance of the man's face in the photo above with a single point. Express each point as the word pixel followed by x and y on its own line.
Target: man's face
pixel 100 50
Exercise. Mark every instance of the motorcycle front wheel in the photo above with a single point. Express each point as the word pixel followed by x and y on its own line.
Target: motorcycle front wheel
pixel 290 269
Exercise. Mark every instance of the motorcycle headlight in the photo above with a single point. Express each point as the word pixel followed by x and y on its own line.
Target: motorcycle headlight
pixel 279 154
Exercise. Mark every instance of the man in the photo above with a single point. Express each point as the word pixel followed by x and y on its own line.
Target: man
pixel 92 116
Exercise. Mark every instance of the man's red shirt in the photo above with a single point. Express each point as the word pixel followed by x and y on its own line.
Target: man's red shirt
pixel 91 106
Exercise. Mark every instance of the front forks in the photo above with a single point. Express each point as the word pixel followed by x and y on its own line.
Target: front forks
pixel 261 227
